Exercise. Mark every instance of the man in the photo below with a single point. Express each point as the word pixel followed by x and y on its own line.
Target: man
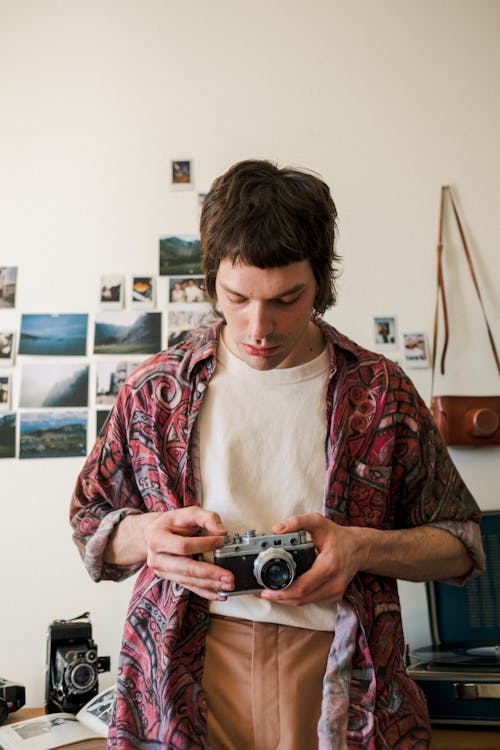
pixel 270 420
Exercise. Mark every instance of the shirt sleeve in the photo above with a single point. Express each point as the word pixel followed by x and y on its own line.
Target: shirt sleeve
pixel 433 492
pixel 105 492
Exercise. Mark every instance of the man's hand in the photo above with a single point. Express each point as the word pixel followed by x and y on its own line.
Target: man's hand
pixel 422 553
pixel 334 567
pixel 169 542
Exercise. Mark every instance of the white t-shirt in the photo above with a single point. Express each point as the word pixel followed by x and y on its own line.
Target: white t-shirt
pixel 262 451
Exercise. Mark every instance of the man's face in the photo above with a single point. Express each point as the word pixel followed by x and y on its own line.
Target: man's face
pixel 268 313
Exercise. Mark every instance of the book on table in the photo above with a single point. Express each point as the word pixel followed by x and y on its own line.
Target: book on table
pixel 86 730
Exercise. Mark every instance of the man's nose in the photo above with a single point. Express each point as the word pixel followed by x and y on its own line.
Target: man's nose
pixel 260 321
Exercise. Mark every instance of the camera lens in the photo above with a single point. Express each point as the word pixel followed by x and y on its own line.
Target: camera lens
pixel 81 676
pixel 274 569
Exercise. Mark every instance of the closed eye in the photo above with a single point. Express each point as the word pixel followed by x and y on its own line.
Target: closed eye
pixel 286 300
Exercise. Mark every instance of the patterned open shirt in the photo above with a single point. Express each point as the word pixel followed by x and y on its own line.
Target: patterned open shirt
pixel 387 468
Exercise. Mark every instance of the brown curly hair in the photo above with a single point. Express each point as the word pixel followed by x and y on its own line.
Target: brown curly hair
pixel 267 216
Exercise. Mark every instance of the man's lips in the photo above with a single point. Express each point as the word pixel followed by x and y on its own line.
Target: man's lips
pixel 260 351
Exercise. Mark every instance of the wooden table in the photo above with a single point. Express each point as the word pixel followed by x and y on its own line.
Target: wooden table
pixel 443 738
pixel 465 738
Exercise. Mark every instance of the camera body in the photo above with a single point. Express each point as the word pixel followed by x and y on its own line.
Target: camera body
pixel 73 667
pixel 12 698
pixel 266 560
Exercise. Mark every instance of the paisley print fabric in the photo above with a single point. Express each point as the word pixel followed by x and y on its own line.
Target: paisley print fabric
pixel 387 468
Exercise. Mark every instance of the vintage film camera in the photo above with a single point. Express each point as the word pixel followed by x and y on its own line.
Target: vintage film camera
pixel 12 697
pixel 265 560
pixel 72 668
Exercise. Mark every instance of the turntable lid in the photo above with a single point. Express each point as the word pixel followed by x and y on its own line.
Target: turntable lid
pixel 470 614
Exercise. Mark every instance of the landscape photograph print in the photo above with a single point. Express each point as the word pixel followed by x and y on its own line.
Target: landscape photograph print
pixel 125 332
pixel 180 255
pixel 8 435
pixel 50 335
pixel 53 434
pixel 57 384
pixel 110 376
pixel 183 323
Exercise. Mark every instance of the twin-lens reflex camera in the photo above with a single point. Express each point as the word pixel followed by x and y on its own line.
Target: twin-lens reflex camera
pixel 265 560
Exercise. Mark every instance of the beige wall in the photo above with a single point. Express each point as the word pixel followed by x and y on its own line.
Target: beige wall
pixel 387 99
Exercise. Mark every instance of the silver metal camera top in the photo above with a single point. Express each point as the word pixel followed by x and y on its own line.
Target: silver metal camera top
pixel 249 542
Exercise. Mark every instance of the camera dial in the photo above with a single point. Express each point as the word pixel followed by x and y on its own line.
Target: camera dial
pixel 274 569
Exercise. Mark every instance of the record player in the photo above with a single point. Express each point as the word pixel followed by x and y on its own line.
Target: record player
pixel 460 672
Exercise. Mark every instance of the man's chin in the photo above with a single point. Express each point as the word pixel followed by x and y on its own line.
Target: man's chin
pixel 262 362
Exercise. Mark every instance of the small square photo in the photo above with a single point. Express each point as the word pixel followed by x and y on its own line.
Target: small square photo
pixel 142 291
pixel 181 174
pixel 416 350
pixel 6 348
pixel 385 332
pixel 111 292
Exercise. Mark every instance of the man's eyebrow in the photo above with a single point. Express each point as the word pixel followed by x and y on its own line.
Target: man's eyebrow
pixel 284 293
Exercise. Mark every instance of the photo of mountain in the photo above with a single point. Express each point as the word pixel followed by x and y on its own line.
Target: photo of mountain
pixel 180 255
pixel 64 334
pixel 53 434
pixel 123 332
pixel 54 385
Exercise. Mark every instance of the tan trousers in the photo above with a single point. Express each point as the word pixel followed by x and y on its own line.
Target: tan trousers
pixel 263 684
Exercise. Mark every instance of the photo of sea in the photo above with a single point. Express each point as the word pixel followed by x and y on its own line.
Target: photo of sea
pixel 64 334
pixel 53 434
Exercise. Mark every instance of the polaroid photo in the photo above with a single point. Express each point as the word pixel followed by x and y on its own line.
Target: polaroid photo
pixel 5 392
pixel 384 329
pixel 53 434
pixel 180 255
pixel 186 290
pixel 8 286
pixel 143 291
pixel 416 350
pixel 181 174
pixel 51 335
pixel 7 348
pixel 8 435
pixel 56 384
pixel 125 332
pixel 111 292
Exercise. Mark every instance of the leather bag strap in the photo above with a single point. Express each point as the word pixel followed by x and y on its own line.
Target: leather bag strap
pixel 441 293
